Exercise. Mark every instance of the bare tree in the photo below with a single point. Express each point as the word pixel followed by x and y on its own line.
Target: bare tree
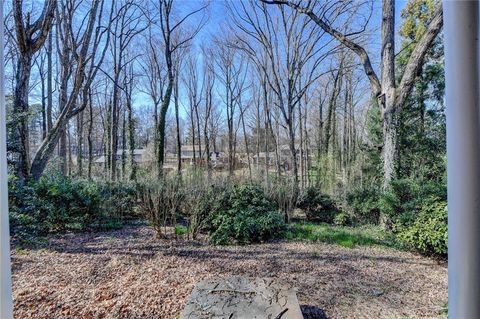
pixel 195 96
pixel 87 63
pixel 391 97
pixel 290 46
pixel 173 41
pixel 30 35
pixel 126 27
pixel 231 71
pixel 128 90
pixel 209 85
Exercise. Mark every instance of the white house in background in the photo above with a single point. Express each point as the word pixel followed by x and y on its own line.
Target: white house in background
pixel 187 153
pixel 140 156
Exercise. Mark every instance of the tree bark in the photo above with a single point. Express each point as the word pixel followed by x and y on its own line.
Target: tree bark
pixel 177 124
pixel 80 143
pixel 48 145
pixel 49 83
pixel 30 38
pixel 161 126
pixel 20 119
pixel 89 135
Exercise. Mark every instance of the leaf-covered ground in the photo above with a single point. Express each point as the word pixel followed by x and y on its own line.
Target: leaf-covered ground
pixel 129 273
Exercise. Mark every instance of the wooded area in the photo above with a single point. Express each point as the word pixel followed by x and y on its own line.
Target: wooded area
pixel 282 94
pixel 236 122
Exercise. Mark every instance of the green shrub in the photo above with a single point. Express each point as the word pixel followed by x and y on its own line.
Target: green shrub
pixel 405 197
pixel 363 205
pixel 318 207
pixel 26 210
pixel 119 203
pixel 341 219
pixel 74 202
pixel 180 230
pixel 200 202
pixel 58 204
pixel 428 233
pixel 242 214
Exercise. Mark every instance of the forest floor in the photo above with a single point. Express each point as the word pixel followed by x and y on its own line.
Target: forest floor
pixel 128 273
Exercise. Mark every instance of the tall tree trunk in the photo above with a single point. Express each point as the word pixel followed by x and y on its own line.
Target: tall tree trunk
pixel 389 116
pixel 124 145
pixel 307 148
pixel 257 127
pixel 199 138
pixel 62 150
pixel 161 125
pixel 267 130
pixel 44 104
pixel 291 144
pixel 391 99
pixel 30 37
pixel 246 143
pixel 90 135
pixel 80 143
pixel 329 128
pixel 131 140
pixel 114 132
pixel 302 163
pixel 20 138
pixel 108 132
pixel 49 83
pixel 177 126
pixel 320 142
pixel 192 132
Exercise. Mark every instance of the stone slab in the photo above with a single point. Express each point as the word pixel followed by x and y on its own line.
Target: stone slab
pixel 242 298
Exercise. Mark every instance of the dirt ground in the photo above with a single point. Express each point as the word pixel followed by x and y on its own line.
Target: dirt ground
pixel 130 274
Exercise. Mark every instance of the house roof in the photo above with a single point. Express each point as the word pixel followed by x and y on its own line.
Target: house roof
pixel 139 152
pixel 189 148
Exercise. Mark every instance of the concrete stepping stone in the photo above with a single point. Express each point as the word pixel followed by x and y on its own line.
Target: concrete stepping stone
pixel 242 298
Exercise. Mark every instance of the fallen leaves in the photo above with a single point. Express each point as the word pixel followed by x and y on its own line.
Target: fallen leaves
pixel 130 274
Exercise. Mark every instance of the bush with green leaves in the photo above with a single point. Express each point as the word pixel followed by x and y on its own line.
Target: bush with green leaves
pixel 242 214
pixel 58 204
pixel 199 203
pixel 342 219
pixel 428 233
pixel 26 210
pixel 363 205
pixel 119 200
pixel 318 207
pixel 74 203
pixel 405 197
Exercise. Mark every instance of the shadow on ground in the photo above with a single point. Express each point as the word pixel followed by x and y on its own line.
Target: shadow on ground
pixel 312 312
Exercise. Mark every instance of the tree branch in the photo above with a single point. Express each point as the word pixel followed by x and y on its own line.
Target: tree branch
pixel 357 49
pixel 416 58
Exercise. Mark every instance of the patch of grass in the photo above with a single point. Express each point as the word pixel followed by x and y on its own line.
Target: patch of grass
pixel 180 230
pixel 444 311
pixel 348 237
pixel 30 242
pixel 21 251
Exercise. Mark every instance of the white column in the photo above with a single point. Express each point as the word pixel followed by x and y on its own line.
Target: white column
pixel 463 154
pixel 6 304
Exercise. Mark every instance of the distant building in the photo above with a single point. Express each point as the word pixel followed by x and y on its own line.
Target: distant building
pixel 145 157
pixel 140 156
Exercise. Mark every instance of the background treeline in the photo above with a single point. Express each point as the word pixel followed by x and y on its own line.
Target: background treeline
pixel 290 102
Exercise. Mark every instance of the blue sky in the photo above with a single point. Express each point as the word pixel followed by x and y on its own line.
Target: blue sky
pixel 218 17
